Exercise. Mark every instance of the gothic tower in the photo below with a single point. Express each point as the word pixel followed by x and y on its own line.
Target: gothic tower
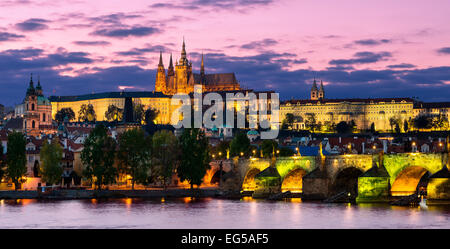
pixel 183 71
pixel 314 91
pixel 160 84
pixel 321 91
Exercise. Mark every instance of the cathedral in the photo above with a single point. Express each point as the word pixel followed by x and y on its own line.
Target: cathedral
pixel 181 79
pixel 36 111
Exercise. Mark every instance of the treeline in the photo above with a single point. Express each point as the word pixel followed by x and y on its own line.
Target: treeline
pixel 419 123
pixel 143 158
pixel 113 114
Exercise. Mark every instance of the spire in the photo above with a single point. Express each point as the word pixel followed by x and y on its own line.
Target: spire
pixel 314 87
pixel 183 50
pixel 321 86
pixel 160 60
pixel 170 69
pixel 31 80
pixel 170 62
pixel 202 67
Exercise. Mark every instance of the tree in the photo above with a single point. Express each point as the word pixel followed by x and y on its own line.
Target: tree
pixel 16 159
pixel 194 158
pixel 288 121
pixel 113 113
pixel 166 154
pixel 269 147
pixel 220 150
pixel 51 155
pixel 422 122
pixel 240 144
pixel 139 113
pixel 405 126
pixel 2 163
pixel 86 113
pixel 440 122
pixel 397 128
pixel 64 112
pixel 135 155
pixel 98 157
pixel 150 116
pixel 329 126
pixel 342 127
pixel 372 128
pixel 311 122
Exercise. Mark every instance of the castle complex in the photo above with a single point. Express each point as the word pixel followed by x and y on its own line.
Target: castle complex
pixel 37 111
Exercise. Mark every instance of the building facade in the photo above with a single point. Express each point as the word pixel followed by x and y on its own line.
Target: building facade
pixel 363 112
pixel 101 102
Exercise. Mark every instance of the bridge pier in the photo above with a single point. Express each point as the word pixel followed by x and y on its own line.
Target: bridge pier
pixel 316 185
pixel 373 185
pixel 438 190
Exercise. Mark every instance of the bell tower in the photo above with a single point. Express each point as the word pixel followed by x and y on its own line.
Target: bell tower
pixel 321 91
pixel 314 91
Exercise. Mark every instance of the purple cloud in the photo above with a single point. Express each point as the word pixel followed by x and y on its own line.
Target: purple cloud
pixel 33 24
pixel 137 31
pixel 5 36
pixel 362 58
pixel 444 50
pixel 372 42
pixel 403 65
pixel 91 43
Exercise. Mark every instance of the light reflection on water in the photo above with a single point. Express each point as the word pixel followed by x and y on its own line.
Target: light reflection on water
pixel 214 213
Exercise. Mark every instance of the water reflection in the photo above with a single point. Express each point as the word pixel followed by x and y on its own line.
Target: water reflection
pixel 214 213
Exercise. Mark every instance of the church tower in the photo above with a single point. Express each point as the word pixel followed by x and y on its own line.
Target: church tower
pixel 31 114
pixel 314 91
pixel 39 88
pixel 160 84
pixel 321 91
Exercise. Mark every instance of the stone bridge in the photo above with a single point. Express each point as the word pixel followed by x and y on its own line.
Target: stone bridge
pixel 371 178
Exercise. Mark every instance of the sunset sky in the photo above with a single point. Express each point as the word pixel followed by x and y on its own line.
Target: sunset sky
pixel 380 48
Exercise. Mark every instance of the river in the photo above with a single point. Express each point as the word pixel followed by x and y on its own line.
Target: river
pixel 192 213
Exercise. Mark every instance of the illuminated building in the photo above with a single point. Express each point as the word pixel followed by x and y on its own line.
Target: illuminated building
pixel 363 112
pixel 35 110
pixel 181 79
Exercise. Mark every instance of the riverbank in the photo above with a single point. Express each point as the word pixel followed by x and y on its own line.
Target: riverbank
pixel 69 194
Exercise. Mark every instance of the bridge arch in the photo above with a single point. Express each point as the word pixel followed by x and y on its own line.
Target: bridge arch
pixel 408 180
pixel 346 179
pixel 249 183
pixel 215 178
pixel 293 181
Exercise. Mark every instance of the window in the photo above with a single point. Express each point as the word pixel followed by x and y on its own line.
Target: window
pixel 33 124
pixel 43 117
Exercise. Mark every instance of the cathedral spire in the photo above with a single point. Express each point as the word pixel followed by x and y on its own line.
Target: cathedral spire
pixel 160 59
pixel 314 87
pixel 183 50
pixel 202 67
pixel 170 68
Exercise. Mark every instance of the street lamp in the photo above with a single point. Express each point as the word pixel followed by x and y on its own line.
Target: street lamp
pixel 242 153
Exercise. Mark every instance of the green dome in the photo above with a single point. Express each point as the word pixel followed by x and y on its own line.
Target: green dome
pixel 41 100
